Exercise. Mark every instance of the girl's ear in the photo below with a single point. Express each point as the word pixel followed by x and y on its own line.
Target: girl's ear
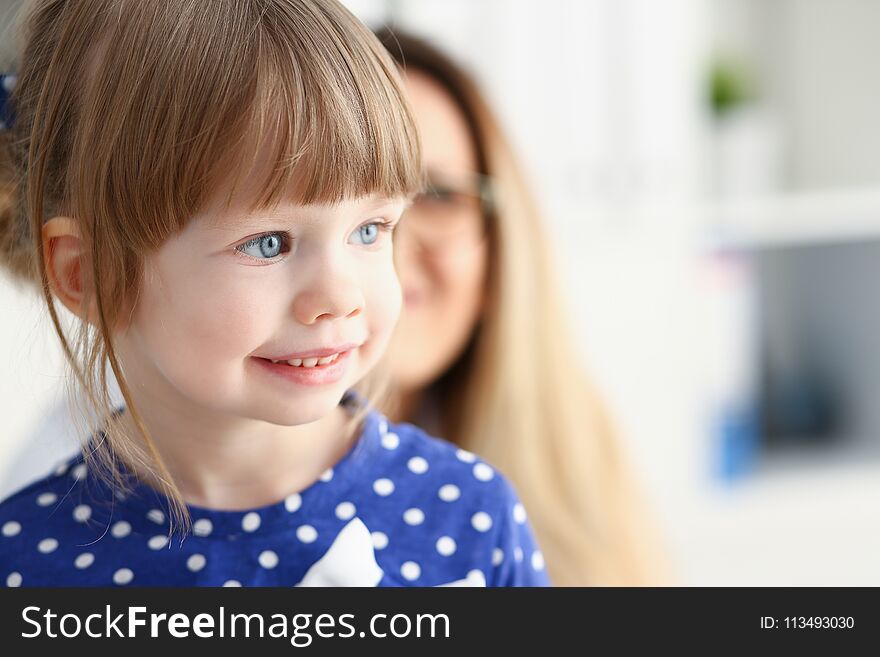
pixel 65 261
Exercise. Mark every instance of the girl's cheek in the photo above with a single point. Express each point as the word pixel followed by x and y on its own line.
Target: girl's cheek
pixel 395 295
pixel 386 298
pixel 220 320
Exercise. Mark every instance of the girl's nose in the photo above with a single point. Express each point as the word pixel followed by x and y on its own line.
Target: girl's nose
pixel 328 298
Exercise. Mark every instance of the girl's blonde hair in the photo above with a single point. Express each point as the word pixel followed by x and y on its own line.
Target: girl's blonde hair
pixel 538 419
pixel 129 113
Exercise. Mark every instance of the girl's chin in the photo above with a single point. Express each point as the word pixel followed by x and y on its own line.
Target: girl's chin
pixel 304 411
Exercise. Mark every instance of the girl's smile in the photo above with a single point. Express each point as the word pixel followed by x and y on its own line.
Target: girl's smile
pixel 310 371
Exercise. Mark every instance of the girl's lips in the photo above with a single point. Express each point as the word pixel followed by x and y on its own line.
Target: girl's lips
pixel 309 376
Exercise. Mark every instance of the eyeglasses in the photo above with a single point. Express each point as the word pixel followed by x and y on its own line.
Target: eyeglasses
pixel 451 213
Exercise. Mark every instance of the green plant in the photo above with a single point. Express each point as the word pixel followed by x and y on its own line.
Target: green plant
pixel 729 85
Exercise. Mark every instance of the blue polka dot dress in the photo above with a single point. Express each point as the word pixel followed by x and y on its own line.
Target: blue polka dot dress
pixel 401 508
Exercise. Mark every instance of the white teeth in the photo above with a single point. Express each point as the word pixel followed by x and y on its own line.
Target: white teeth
pixel 307 362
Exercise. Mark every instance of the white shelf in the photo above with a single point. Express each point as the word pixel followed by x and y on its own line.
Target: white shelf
pixel 794 219
pixel 806 518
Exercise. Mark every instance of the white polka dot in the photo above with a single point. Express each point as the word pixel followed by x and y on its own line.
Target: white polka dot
pixel 418 465
pixel 481 521
pixel 519 513
pixel 119 495
pixel 518 554
pixel 251 521
pixel 47 545
pixel 121 529
pixel 46 499
pixel 196 562
pixel 268 559
pixel 293 502
pixel 390 440
pixel 327 475
pixel 157 542
pixel 84 560
pixel 476 577
pixel 9 82
pixel 156 516
pixel 61 469
pixel 306 533
pixel 345 510
pixel 79 471
pixel 380 540
pixel 483 472
pixel 383 487
pixel 13 580
pixel 413 516
pixel 449 493
pixel 537 560
pixel 445 545
pixel 410 570
pixel 231 582
pixel 383 426
pixel 82 513
pixel 466 456
pixel 123 576
pixel 497 556
pixel 202 527
pixel 11 528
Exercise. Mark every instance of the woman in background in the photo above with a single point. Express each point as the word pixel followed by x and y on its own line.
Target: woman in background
pixel 482 353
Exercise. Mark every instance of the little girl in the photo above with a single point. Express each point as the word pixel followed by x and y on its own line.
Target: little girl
pixel 210 188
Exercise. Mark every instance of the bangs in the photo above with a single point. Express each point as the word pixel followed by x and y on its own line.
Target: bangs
pixel 326 121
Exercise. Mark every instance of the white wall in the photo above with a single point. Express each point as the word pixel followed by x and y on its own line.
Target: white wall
pixel 834 98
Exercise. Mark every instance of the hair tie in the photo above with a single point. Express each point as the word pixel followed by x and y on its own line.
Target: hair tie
pixel 7 116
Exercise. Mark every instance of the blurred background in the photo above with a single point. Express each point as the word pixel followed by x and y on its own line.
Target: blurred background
pixel 709 172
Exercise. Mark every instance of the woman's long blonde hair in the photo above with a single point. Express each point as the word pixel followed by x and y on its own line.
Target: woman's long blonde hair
pixel 128 114
pixel 517 395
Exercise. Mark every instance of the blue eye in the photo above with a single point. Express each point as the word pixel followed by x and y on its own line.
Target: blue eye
pixel 369 233
pixel 267 246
